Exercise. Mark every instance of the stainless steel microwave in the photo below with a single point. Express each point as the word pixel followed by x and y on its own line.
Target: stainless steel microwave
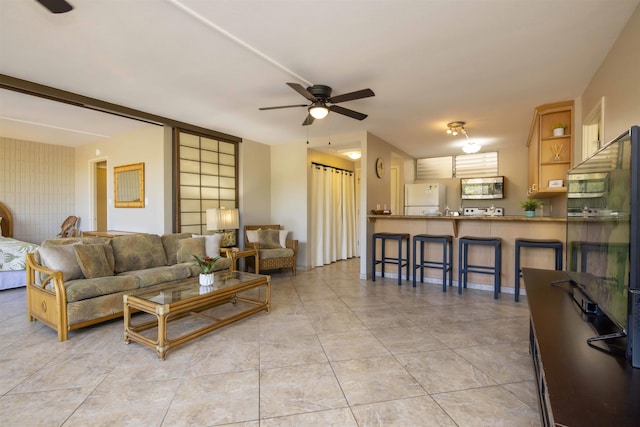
pixel 587 185
pixel 482 188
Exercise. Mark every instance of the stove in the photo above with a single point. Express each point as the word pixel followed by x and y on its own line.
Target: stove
pixel 483 212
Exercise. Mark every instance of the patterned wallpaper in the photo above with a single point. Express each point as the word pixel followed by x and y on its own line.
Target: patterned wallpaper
pixel 37 185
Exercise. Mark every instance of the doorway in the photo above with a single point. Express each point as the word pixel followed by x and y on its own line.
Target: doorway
pixel 100 191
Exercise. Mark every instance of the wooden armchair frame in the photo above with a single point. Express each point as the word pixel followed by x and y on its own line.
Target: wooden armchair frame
pixel 271 263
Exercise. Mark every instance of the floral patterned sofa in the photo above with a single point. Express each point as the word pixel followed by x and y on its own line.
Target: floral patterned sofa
pixel 77 282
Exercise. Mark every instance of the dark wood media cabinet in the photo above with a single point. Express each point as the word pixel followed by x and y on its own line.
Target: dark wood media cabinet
pixel 577 384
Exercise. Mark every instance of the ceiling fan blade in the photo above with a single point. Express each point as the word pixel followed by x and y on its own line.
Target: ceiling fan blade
pixel 56 6
pixel 308 120
pixel 364 93
pixel 283 106
pixel 346 112
pixel 302 91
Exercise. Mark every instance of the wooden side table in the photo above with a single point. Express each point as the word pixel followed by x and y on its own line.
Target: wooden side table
pixel 235 253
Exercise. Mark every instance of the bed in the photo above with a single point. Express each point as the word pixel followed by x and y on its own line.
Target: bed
pixel 12 253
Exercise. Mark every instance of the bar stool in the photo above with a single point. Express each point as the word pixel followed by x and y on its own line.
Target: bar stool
pixel 399 261
pixel 464 267
pixel 447 256
pixel 535 243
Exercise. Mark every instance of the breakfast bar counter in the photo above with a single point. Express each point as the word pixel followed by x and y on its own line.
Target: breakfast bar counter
pixel 455 220
pixel 509 228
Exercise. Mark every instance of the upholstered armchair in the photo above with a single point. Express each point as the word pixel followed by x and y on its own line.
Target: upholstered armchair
pixel 274 249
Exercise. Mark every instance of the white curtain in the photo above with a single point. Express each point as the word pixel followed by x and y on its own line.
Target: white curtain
pixel 333 216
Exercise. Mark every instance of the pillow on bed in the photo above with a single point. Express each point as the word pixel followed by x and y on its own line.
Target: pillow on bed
pixel 93 260
pixel 61 258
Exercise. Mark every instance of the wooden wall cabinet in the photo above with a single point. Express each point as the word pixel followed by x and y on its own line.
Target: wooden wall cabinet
pixel 549 155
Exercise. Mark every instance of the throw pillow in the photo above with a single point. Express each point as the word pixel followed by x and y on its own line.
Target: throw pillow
pixel 187 248
pixel 61 258
pixel 269 239
pixel 93 261
pixel 211 243
pixel 252 236
pixel 283 238
pixel 108 251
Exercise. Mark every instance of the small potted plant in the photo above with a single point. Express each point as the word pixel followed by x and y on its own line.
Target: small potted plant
pixel 558 129
pixel 207 265
pixel 530 206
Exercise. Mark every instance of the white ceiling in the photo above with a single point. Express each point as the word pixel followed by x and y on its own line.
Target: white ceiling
pixel 212 63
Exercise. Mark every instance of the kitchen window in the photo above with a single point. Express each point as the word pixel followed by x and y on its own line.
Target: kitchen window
pixel 461 166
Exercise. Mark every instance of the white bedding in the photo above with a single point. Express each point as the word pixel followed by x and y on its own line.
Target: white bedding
pixel 13 253
pixel 13 262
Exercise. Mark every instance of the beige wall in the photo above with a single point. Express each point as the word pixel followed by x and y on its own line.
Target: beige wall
pixel 145 144
pixel 36 184
pixel 255 184
pixel 618 80
pixel 289 192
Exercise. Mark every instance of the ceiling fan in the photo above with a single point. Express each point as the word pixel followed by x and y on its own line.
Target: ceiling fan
pixel 320 96
pixel 56 6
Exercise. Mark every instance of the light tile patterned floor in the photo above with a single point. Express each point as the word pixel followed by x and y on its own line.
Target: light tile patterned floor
pixel 334 351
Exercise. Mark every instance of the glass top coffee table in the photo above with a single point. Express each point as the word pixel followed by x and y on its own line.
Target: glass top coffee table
pixel 191 309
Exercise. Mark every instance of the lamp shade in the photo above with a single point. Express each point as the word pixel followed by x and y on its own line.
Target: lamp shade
pixel 222 219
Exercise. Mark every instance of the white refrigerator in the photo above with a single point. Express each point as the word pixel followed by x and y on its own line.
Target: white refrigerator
pixel 425 199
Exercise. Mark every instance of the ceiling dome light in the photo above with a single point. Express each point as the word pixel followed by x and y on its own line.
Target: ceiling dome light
pixel 355 155
pixel 471 147
pixel 319 111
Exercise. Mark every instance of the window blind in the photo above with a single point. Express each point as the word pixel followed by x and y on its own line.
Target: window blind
pixel 476 165
pixel 433 168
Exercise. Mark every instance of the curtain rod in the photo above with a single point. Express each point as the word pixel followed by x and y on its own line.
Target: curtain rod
pixel 332 167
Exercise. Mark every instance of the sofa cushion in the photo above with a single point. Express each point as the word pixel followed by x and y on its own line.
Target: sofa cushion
pixel 82 289
pixel 211 244
pixel 72 240
pixel 269 239
pixel 137 252
pixel 187 248
pixel 93 261
pixel 275 253
pixel 61 258
pixel 157 275
pixel 170 243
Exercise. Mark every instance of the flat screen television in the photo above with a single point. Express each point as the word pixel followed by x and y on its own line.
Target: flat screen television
pixel 603 235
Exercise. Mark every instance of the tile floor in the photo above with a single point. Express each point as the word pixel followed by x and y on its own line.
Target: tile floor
pixel 334 351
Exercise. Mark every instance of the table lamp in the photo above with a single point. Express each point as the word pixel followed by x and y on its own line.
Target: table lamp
pixel 224 221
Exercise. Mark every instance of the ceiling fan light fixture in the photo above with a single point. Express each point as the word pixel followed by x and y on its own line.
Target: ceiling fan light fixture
pixel 318 111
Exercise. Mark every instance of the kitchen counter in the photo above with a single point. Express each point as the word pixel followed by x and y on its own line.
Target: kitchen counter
pixel 456 219
pixel 509 228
